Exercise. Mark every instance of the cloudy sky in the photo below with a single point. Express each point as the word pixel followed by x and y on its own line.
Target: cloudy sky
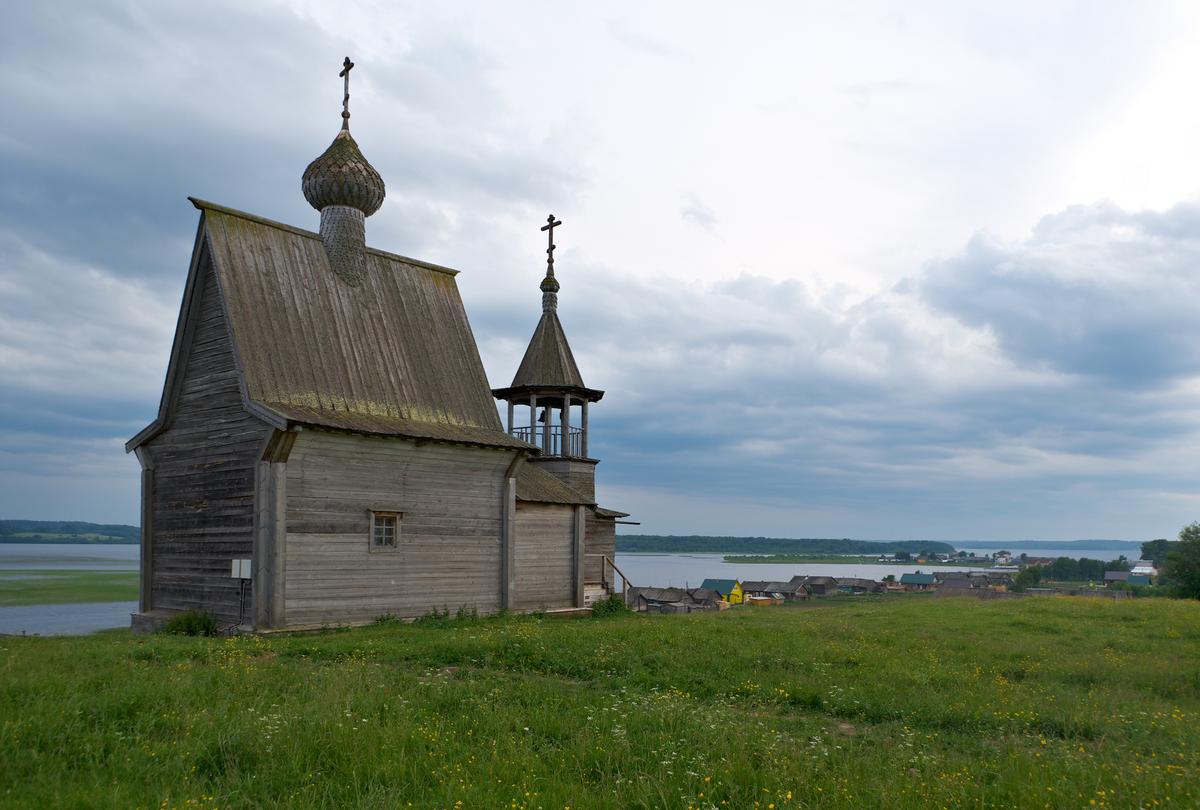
pixel 894 270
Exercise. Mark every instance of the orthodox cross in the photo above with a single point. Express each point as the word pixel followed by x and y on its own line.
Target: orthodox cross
pixel 346 98
pixel 551 224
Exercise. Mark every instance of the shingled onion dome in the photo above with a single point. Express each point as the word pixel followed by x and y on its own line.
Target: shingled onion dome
pixel 550 288
pixel 346 189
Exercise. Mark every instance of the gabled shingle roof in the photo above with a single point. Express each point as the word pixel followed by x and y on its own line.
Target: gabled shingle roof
pixel 394 355
pixel 916 579
pixel 767 586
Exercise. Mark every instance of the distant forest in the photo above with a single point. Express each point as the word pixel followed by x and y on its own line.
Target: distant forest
pixel 775 545
pixel 1017 545
pixel 66 531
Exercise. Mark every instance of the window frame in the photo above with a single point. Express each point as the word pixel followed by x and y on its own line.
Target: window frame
pixel 397 518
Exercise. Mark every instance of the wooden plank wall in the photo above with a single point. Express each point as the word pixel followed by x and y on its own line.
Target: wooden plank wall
pixel 545 556
pixel 449 547
pixel 579 475
pixel 600 538
pixel 204 466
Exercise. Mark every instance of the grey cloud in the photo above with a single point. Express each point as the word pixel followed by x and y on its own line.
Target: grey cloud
pixel 851 409
pixel 1094 291
pixel 131 107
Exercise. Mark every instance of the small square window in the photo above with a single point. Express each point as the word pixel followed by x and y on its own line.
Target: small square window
pixel 385 530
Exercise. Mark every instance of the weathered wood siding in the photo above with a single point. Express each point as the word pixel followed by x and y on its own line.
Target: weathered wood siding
pixel 545 560
pixel 449 548
pixel 204 462
pixel 600 539
pixel 579 475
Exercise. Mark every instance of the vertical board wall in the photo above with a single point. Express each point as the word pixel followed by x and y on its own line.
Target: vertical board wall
pixel 448 551
pixel 204 463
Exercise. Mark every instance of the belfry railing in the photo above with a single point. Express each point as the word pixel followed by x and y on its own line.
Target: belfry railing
pixel 550 439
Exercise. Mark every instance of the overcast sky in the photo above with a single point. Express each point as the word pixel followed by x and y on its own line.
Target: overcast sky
pixel 898 270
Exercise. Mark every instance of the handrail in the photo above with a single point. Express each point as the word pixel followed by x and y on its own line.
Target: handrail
pixel 537 436
pixel 625 584
pixel 624 578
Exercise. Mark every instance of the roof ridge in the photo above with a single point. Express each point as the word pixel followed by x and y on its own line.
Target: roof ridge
pixel 205 205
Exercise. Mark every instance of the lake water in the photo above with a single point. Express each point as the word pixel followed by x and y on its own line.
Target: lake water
pixel 68 619
pixel 70 555
pixel 689 570
pixel 56 620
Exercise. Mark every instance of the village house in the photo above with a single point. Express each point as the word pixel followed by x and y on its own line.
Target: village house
pixel 816 585
pixel 996 580
pixel 764 589
pixel 960 582
pixel 761 601
pixel 917 582
pixel 1128 577
pixel 1144 568
pixel 327 448
pixel 858 585
pixel 673 600
pixel 707 599
pixel 729 589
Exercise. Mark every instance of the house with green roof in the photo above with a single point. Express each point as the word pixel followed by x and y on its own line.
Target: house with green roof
pixel 730 589
pixel 917 582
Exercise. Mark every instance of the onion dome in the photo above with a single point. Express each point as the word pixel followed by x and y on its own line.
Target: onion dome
pixel 342 176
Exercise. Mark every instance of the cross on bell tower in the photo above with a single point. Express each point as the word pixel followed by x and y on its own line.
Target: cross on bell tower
pixel 345 74
pixel 551 224
pixel 550 285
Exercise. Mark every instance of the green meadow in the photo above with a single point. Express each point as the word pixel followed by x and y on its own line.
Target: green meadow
pixel 907 702
pixel 61 586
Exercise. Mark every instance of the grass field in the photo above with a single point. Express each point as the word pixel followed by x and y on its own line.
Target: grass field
pixel 61 586
pixel 896 702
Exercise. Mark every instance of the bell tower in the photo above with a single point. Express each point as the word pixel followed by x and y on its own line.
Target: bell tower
pixel 550 391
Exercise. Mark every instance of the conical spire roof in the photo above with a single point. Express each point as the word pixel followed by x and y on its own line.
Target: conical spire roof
pixel 548 360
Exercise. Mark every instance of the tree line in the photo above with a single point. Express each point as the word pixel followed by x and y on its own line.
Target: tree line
pixel 66 531
pixel 775 545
